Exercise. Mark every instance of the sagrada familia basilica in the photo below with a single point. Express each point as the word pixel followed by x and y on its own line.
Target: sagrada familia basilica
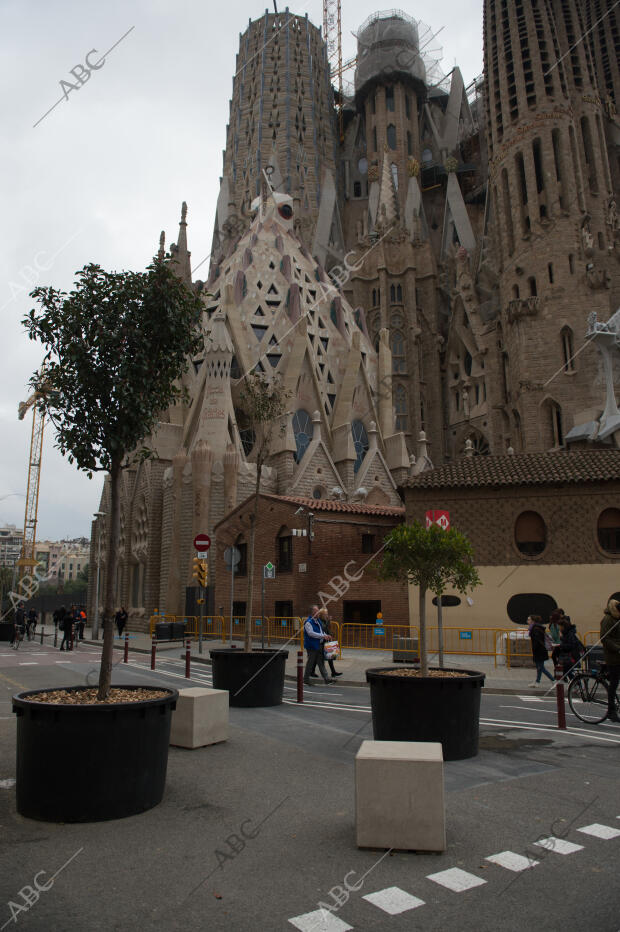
pixel 415 261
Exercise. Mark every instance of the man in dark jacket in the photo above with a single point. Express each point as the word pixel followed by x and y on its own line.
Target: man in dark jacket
pixel 569 652
pixel 19 621
pixel 539 651
pixel 610 637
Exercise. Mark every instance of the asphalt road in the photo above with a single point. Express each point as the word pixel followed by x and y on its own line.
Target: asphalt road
pixel 256 832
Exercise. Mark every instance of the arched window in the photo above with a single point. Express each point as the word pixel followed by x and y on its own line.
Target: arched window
pixel 479 443
pixel 409 144
pixel 374 297
pixel 530 533
pixel 399 294
pixel 360 442
pixel 400 408
pixel 532 283
pixel 389 99
pixel 303 429
pixel 391 136
pixel 468 363
pixel 555 417
pixel 567 349
pixel 392 294
pixel 394 168
pixel 246 432
pixel 608 529
pixel 398 352
pixel 422 413
pixel 515 292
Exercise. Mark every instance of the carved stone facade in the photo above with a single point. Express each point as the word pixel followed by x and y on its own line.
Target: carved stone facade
pixel 417 268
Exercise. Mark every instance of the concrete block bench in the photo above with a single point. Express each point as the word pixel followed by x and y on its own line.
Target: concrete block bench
pixel 200 718
pixel 399 796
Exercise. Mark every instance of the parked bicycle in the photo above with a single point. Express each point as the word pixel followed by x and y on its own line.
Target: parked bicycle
pixel 588 696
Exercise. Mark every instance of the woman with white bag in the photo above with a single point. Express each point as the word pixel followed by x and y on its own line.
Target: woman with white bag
pixel 330 648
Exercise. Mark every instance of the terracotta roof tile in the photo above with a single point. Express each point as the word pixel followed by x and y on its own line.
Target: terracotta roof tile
pixel 523 469
pixel 357 508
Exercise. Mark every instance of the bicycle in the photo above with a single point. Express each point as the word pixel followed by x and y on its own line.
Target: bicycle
pixel 588 696
pixel 18 637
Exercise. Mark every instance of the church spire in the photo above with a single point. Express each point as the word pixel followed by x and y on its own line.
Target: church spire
pixel 161 252
pixel 180 253
pixel 387 211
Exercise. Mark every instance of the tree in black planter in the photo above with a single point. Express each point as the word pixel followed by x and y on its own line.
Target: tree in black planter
pixel 116 347
pixel 263 403
pixel 431 559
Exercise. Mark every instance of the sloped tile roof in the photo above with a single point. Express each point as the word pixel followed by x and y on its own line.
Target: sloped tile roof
pixel 522 469
pixel 357 508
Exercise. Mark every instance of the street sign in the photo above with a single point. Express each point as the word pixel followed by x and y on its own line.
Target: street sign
pixel 202 542
pixel 441 518
pixel 465 635
pixel 232 555
pixel 269 571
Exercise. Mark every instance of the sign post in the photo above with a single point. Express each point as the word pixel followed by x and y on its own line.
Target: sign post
pixel 202 542
pixel 269 572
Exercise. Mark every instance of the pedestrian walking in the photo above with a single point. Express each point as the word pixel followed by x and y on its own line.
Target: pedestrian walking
pixel 539 647
pixel 81 621
pixel 570 649
pixel 31 623
pixel 314 637
pixel 65 624
pixel 121 620
pixel 610 636
pixel 325 620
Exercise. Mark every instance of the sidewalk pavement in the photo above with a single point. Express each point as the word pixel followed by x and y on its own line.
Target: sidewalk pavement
pixel 354 663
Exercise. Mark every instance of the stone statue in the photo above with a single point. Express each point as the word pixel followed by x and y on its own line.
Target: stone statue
pixel 586 236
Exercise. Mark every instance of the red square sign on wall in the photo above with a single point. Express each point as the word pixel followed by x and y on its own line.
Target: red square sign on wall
pixel 442 518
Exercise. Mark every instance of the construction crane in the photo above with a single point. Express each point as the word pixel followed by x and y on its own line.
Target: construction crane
pixel 332 34
pixel 27 561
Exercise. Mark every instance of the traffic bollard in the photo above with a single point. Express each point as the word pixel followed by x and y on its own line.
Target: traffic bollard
pixel 126 654
pixel 187 657
pixel 559 695
pixel 153 652
pixel 42 633
pixel 55 635
pixel 300 676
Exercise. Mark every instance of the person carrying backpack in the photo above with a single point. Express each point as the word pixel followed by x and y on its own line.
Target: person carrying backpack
pixel 610 637
pixel 538 637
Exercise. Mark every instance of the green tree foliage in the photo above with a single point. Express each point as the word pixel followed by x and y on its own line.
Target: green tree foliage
pixel 431 559
pixel 263 403
pixel 116 347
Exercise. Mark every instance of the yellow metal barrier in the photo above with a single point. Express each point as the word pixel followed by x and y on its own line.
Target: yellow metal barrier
pixel 211 624
pixel 591 638
pixel 374 637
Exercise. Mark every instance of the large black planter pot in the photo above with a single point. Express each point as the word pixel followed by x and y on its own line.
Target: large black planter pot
pixel 6 630
pixel 252 680
pixel 89 763
pixel 415 708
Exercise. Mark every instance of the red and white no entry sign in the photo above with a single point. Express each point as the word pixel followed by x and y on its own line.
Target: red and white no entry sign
pixel 202 542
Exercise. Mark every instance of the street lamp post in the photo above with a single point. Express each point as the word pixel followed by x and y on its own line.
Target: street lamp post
pixel 95 624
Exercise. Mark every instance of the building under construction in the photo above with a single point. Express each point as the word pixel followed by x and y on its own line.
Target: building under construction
pixel 414 257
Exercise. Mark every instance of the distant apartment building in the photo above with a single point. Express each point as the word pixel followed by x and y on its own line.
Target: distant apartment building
pixel 11 540
pixel 63 559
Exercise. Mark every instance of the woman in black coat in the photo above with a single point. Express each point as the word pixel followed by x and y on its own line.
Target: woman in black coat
pixel 539 649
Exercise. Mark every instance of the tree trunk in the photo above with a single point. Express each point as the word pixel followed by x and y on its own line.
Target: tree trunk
pixel 423 654
pixel 253 519
pixel 105 673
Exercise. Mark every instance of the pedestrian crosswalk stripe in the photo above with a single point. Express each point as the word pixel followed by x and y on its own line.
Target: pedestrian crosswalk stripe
pixel 393 900
pixel 456 879
pixel 559 845
pixel 600 831
pixel 320 920
pixel 512 861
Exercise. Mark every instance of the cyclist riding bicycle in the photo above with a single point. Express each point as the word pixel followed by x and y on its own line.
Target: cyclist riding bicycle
pixel 610 638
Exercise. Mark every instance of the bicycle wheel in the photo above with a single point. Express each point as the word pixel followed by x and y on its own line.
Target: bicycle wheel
pixel 587 697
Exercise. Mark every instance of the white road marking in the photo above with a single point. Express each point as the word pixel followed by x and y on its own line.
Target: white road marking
pixel 533 726
pixel 530 698
pixel 326 705
pixel 600 831
pixel 558 845
pixel 28 663
pixel 63 661
pixel 456 879
pixel 321 920
pixel 512 861
pixel 393 900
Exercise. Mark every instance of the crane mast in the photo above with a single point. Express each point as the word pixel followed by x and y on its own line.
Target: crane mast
pixel 27 560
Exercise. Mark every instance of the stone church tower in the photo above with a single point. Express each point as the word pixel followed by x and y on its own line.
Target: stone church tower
pixel 417 268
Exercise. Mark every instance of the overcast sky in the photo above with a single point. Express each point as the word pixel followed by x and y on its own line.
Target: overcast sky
pixel 107 169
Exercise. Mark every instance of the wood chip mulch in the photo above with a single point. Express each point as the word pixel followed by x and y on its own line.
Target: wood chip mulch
pixel 89 696
pixel 445 674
